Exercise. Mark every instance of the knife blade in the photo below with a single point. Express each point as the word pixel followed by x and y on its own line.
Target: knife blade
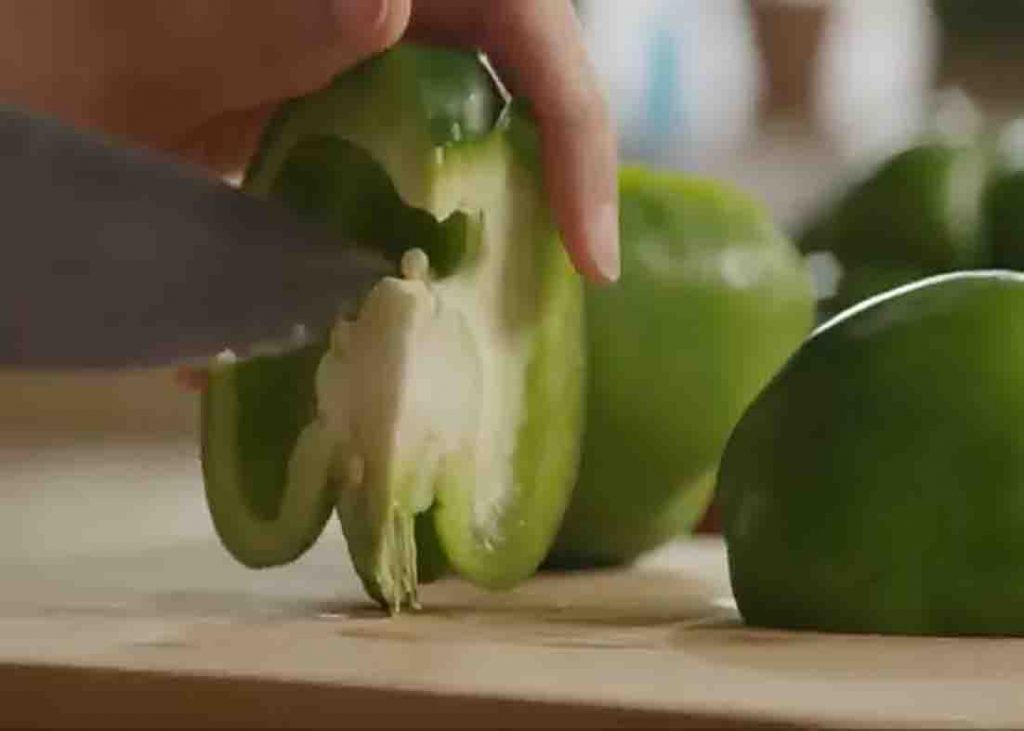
pixel 114 256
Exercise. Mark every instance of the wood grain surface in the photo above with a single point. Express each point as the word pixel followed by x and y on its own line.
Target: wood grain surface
pixel 117 607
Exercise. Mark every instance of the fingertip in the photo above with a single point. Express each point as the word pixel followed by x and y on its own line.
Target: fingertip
pixel 593 245
pixel 538 48
pixel 581 169
pixel 603 242
pixel 581 164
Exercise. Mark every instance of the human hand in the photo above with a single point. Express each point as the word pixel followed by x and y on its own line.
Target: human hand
pixel 199 78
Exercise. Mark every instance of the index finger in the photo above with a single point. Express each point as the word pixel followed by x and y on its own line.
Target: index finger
pixel 538 47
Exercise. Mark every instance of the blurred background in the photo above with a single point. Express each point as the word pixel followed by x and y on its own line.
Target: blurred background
pixel 789 99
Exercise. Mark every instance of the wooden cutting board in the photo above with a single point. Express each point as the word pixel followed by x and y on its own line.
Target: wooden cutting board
pixel 117 607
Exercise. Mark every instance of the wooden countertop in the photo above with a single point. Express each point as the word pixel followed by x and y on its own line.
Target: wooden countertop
pixel 117 607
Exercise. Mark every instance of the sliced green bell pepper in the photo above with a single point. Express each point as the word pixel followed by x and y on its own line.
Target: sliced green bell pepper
pixel 877 485
pixel 712 300
pixel 443 418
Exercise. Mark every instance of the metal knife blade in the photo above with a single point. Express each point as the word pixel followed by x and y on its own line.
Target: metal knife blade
pixel 113 256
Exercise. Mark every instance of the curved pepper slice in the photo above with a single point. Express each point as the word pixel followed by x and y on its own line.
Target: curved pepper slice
pixel 446 409
pixel 264 490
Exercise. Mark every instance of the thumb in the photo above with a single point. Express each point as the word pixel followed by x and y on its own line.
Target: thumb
pixel 251 53
pixel 150 70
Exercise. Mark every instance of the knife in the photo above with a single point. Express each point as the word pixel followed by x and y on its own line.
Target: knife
pixel 113 256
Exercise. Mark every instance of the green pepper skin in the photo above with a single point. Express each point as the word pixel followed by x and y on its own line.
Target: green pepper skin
pixel 1003 206
pixel 1003 223
pixel 877 485
pixel 1004 220
pixel 253 411
pixel 415 148
pixel 712 300
pixel 256 409
pixel 915 215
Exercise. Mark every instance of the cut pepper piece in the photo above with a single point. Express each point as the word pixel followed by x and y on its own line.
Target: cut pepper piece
pixel 265 472
pixel 448 407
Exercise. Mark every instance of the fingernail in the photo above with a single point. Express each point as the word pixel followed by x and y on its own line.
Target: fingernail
pixel 604 242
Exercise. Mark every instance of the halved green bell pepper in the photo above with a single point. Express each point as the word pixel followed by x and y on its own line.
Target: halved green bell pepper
pixel 877 485
pixel 442 420
pixel 712 300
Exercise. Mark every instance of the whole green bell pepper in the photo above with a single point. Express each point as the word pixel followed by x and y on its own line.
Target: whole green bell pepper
pixel 1003 210
pixel 712 300
pixel 442 420
pixel 916 214
pixel 877 485
pixel 1004 219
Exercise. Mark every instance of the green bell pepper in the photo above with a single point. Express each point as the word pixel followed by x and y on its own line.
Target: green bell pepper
pixel 1004 219
pixel 915 215
pixel 1003 214
pixel 442 420
pixel 877 485
pixel 712 300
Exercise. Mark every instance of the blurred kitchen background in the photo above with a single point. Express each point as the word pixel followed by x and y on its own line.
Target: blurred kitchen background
pixel 787 98
pixel 790 98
